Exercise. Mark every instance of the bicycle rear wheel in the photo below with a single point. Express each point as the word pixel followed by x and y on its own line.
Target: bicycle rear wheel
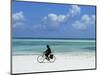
pixel 40 59
pixel 53 59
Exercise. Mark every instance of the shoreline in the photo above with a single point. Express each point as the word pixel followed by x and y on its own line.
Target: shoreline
pixel 58 53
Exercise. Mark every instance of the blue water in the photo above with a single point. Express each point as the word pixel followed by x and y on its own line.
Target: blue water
pixel 37 46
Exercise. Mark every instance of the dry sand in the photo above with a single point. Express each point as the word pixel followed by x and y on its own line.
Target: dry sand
pixel 29 63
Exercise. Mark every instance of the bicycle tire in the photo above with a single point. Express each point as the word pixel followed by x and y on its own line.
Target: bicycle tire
pixel 52 60
pixel 40 59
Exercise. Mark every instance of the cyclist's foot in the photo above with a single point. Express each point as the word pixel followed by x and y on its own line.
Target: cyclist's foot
pixel 47 58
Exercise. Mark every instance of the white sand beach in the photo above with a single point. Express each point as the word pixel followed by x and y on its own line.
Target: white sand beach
pixel 29 63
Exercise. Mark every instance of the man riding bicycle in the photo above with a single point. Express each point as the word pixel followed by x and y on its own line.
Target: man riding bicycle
pixel 47 52
pixel 46 55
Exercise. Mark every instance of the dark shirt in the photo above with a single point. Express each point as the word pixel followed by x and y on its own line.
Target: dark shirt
pixel 48 51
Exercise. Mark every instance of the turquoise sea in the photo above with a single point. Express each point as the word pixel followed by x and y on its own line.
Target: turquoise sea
pixel 37 46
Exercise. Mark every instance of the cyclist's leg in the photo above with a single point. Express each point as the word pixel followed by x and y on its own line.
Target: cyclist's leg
pixel 47 56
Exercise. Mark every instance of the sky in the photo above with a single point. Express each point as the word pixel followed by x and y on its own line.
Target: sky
pixel 45 20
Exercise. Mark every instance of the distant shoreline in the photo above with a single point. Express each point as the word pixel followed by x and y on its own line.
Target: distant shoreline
pixel 55 38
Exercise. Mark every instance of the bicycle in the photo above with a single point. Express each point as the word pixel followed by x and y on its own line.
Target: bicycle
pixel 51 58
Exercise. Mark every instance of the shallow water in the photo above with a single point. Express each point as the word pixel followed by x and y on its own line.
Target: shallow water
pixel 37 46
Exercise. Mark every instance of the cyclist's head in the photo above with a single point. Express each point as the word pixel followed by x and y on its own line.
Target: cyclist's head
pixel 47 46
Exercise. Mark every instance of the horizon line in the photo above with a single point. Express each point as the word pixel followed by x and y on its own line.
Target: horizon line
pixel 50 38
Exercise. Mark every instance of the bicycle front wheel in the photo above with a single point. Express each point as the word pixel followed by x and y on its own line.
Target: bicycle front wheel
pixel 40 59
